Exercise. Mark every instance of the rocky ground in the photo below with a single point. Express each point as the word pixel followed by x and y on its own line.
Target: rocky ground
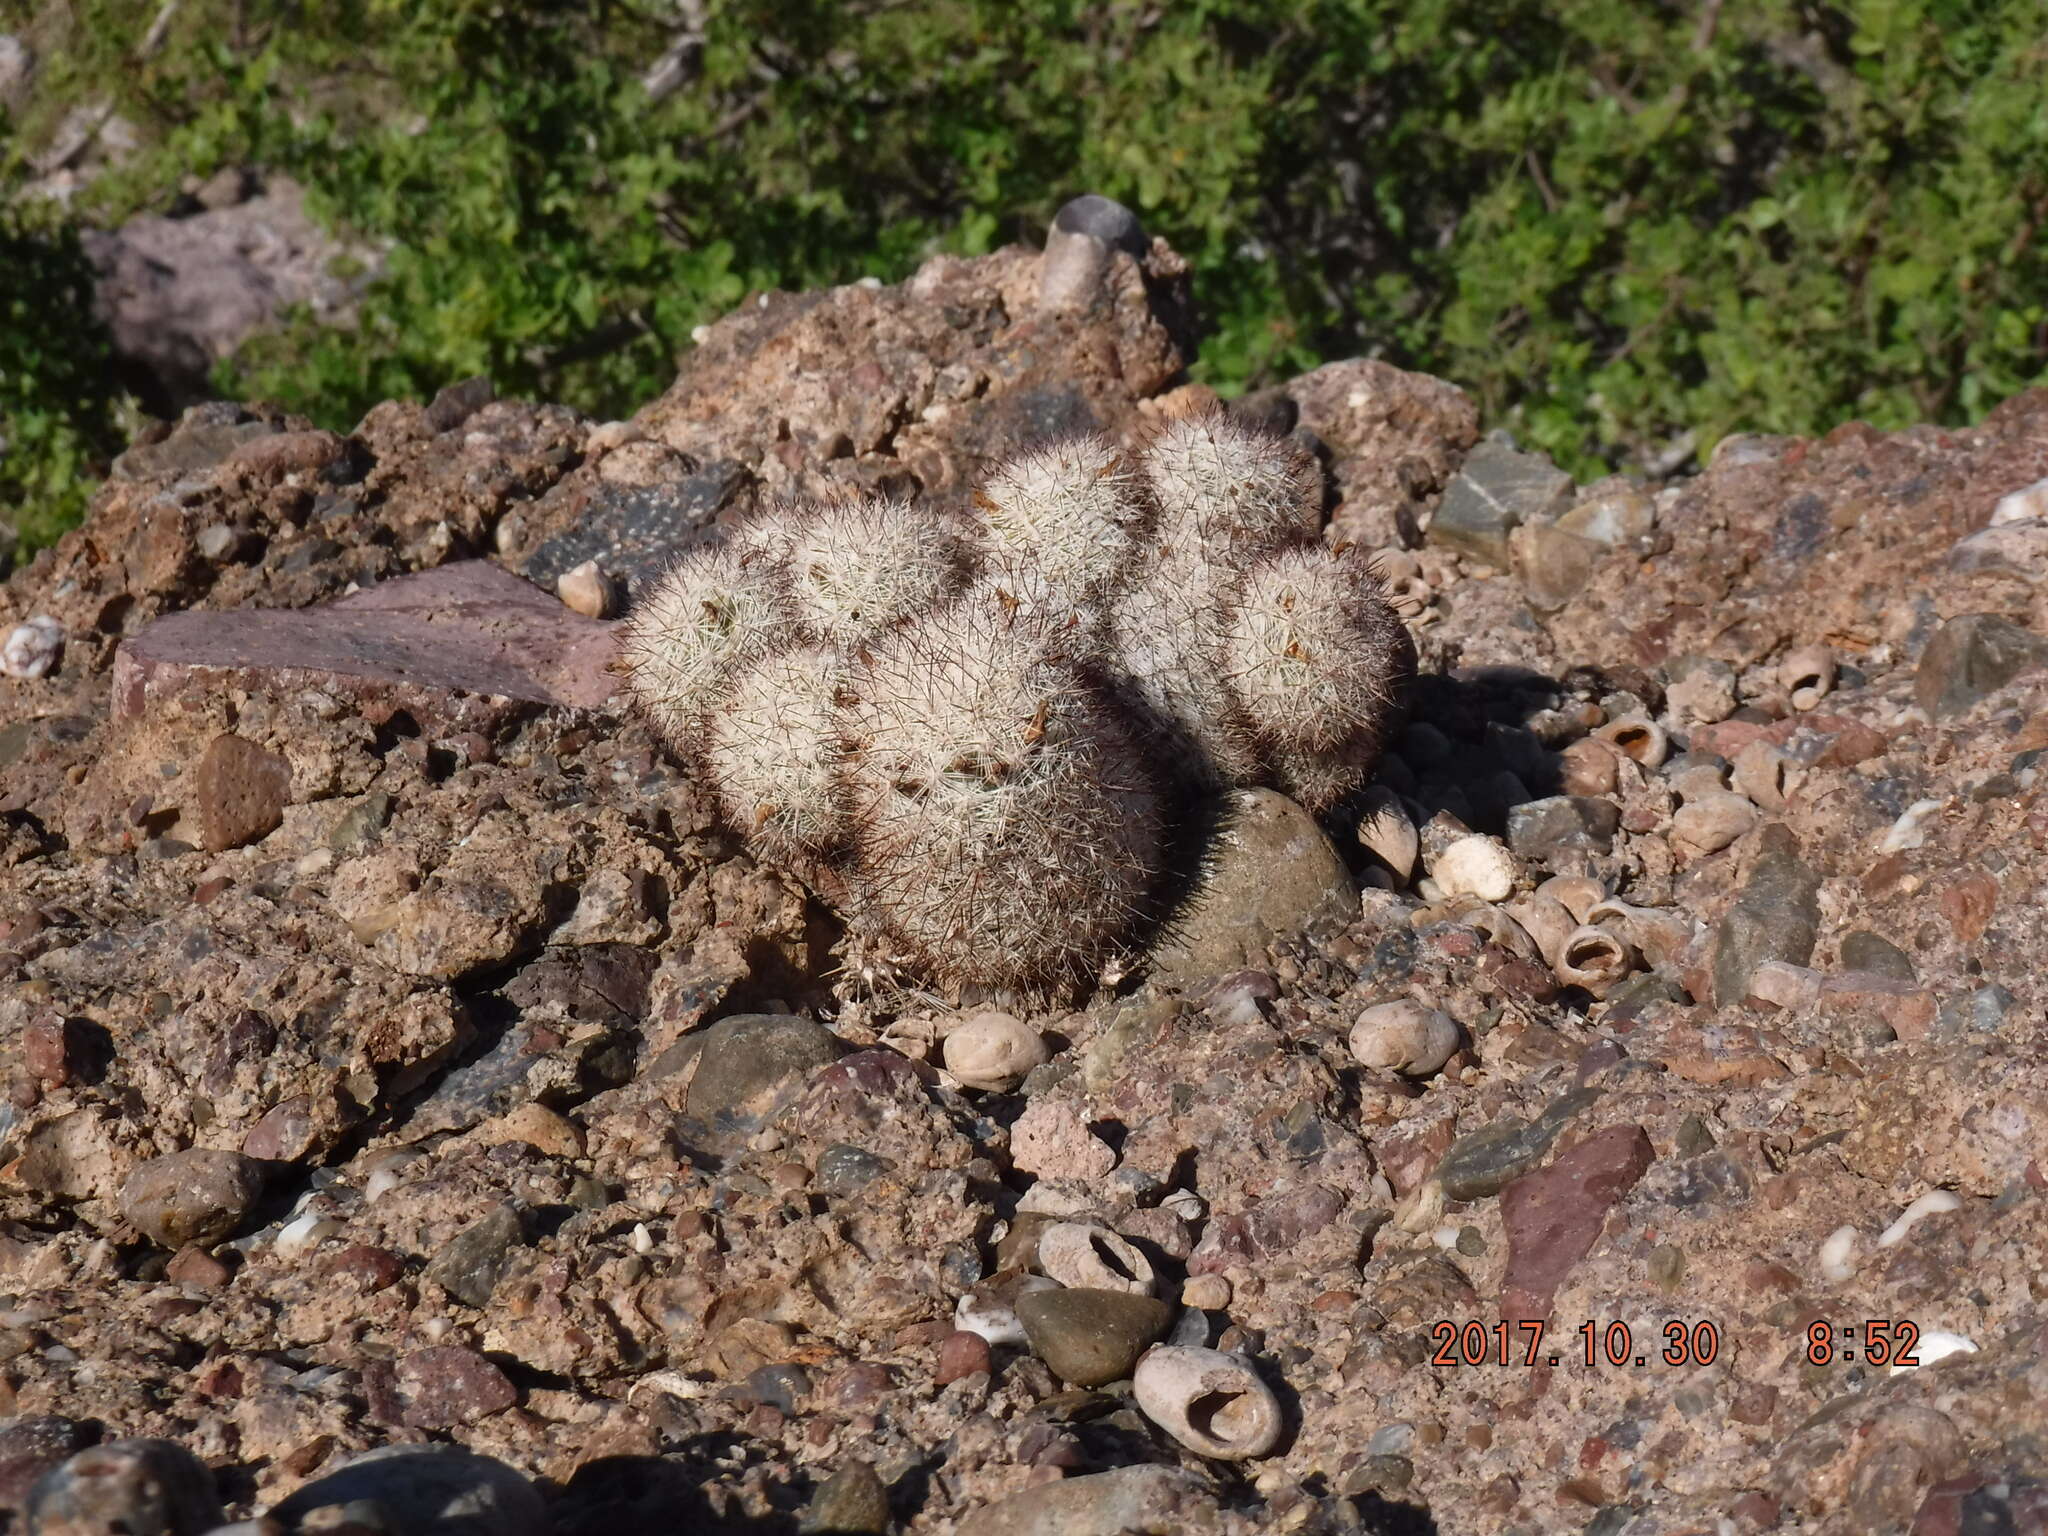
pixel 398 1054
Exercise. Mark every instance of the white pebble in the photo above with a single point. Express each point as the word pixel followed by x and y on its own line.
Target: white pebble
pixel 31 649
pixel 1910 830
pixel 1475 866
pixel 1405 1037
pixel 1937 1344
pixel 1934 1200
pixel 1838 1254
pixel 993 1051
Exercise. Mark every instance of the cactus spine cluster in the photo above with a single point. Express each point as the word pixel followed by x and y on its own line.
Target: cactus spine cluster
pixel 993 727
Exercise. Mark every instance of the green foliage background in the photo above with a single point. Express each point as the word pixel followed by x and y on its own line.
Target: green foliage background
pixel 1613 223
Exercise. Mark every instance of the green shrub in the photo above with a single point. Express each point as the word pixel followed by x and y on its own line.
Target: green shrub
pixel 57 396
pixel 1615 224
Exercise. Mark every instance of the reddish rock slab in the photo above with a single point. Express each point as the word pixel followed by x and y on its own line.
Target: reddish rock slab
pixel 448 1385
pixel 1554 1216
pixel 242 792
pixel 465 647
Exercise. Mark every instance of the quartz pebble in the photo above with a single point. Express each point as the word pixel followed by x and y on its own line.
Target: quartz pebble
pixel 1404 1036
pixel 31 649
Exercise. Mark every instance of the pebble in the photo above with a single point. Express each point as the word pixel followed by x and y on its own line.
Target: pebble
pixel 1205 1293
pixel 749 1067
pixel 1091 1337
pixel 131 1487
pixel 33 1444
pixel 851 1502
pixel 993 1051
pixel 1541 830
pixel 844 1169
pixel 1213 1403
pixel 435 1487
pixel 1776 916
pixel 587 590
pixel 1711 822
pixel 32 649
pixel 1475 866
pixel 1404 1036
pixel 1863 950
pixel 1971 657
pixel 449 1385
pixel 1274 876
pixel 471 1263
pixel 1485 1161
pixel 990 1308
pixel 199 1196
pixel 962 1353
pixel 1937 1344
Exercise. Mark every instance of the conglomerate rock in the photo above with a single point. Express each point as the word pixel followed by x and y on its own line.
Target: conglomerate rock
pixel 446 961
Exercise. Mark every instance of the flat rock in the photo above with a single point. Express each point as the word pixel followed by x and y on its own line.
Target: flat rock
pixel 1498 489
pixel 1485 1161
pixel 1540 829
pixel 242 791
pixel 1970 658
pixel 1776 916
pixel 634 531
pixel 464 646
pixel 1090 1336
pixel 1553 1217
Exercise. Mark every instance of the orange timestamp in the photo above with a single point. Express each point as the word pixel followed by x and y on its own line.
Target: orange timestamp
pixel 1886 1341
pixel 1609 1344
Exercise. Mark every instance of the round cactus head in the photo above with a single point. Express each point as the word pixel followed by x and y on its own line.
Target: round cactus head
pixel 714 611
pixel 1315 649
pixel 1065 511
pixel 1167 643
pixel 1230 491
pixel 772 748
pixel 859 566
pixel 1005 829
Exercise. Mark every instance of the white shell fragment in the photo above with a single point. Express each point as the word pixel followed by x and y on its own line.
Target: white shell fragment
pixel 1927 1205
pixel 1387 833
pixel 1808 675
pixel 1594 958
pixel 1475 866
pixel 1079 1253
pixel 1212 1403
pixel 1937 1344
pixel 992 1312
pixel 1404 1037
pixel 1838 1255
pixel 1910 830
pixel 993 1051
pixel 32 649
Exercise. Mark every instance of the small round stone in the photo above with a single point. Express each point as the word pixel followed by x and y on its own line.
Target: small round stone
pixel 201 1195
pixel 852 1500
pixel 962 1354
pixel 141 1487
pixel 1091 1337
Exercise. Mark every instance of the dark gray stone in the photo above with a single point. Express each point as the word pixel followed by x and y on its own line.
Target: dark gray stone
pixel 844 1169
pixel 634 532
pixel 1498 489
pixel 1104 219
pixel 1970 658
pixel 852 1500
pixel 748 1069
pixel 1866 951
pixel 473 1261
pixel 1539 830
pixel 1486 1161
pixel 442 1489
pixel 1776 916
pixel 1089 1337
pixel 361 824
pixel 458 402
pixel 135 1487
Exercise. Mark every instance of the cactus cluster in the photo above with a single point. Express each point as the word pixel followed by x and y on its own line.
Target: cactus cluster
pixel 995 727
